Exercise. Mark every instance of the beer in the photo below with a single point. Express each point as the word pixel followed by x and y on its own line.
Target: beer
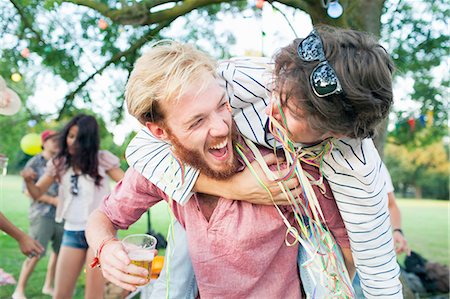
pixel 142 258
pixel 141 250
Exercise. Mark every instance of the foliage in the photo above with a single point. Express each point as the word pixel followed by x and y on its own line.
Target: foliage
pixel 80 54
pixel 417 36
pixel 426 169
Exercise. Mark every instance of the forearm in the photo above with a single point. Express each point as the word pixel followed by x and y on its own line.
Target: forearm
pixel 207 185
pixel 99 228
pixel 34 191
pixel 10 229
pixel 49 199
pixel 396 220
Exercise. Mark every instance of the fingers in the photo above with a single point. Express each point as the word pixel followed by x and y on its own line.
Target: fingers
pixel 117 268
pixel 123 279
pixel 271 159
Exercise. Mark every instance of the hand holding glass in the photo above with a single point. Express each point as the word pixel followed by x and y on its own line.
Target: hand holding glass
pixel 141 250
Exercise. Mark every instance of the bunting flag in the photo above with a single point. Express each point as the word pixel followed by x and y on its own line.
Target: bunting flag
pixel 430 118
pixel 412 124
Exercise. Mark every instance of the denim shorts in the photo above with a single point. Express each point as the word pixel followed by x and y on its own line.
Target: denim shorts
pixel 75 239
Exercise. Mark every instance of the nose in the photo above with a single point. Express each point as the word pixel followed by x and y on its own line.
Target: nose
pixel 219 127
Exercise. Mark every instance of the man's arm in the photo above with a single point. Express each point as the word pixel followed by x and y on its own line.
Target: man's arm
pixel 246 185
pixel 127 202
pixel 114 261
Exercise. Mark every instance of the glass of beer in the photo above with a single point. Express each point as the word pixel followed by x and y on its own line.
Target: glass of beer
pixel 141 250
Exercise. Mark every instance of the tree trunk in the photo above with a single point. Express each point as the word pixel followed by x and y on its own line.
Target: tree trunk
pixel 418 190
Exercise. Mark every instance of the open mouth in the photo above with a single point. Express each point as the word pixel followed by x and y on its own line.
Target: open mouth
pixel 220 150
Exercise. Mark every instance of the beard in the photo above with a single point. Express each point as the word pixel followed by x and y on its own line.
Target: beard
pixel 195 159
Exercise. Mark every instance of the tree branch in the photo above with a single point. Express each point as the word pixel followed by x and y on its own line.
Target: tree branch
pixel 26 22
pixel 139 13
pixel 68 100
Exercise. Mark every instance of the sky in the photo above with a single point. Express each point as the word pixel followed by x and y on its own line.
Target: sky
pixel 248 33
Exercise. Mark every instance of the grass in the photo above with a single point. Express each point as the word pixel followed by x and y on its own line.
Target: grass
pixel 425 223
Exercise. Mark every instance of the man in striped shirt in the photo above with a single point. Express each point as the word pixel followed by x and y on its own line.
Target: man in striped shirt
pixel 334 85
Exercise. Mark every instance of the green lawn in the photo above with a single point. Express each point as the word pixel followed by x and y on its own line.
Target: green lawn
pixel 425 223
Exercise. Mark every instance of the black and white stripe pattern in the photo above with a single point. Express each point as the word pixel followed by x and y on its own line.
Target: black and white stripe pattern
pixel 353 170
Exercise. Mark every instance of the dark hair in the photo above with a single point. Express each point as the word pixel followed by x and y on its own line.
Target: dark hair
pixel 364 69
pixel 86 145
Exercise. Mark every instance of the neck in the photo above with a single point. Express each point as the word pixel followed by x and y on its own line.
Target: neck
pixel 207 204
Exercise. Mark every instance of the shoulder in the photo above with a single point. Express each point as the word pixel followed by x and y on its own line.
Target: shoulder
pixel 34 161
pixel 107 160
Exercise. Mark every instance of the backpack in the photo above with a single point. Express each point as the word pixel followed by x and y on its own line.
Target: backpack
pixel 434 276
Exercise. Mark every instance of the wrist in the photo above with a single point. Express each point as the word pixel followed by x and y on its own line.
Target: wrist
pixel 96 261
pixel 398 230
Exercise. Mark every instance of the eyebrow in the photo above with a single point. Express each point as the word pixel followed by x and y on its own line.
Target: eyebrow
pixel 199 115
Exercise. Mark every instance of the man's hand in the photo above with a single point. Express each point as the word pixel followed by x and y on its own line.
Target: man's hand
pixel 29 246
pixel 248 188
pixel 400 243
pixel 117 267
pixel 28 174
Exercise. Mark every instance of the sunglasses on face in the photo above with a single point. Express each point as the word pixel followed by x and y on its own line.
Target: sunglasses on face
pixel 74 184
pixel 323 78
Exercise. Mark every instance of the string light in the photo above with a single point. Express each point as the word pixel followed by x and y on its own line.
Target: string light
pixel 102 24
pixel 25 53
pixel 260 3
pixel 334 9
pixel 16 77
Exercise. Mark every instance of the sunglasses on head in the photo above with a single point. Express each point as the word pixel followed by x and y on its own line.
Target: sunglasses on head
pixel 323 78
pixel 74 184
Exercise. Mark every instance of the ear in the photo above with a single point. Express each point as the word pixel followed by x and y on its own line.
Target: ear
pixel 157 130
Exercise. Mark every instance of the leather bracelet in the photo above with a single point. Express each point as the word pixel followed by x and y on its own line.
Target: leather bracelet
pixel 96 261
pixel 398 230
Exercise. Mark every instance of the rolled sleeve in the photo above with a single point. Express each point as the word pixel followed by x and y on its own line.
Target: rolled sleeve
pixel 131 197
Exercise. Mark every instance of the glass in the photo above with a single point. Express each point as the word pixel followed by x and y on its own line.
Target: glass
pixel 3 165
pixel 141 251
pixel 323 79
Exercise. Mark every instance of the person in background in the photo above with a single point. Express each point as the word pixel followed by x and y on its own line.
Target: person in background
pixel 9 105
pixel 81 170
pixel 43 226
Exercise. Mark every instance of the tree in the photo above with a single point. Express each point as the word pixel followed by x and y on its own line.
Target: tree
pixel 114 31
pixel 425 169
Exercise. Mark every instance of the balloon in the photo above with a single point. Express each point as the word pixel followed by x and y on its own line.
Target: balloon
pixel 31 144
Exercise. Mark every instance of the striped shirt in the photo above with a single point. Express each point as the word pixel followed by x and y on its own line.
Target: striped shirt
pixel 353 170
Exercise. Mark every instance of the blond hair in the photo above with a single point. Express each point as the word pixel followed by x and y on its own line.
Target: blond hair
pixel 163 74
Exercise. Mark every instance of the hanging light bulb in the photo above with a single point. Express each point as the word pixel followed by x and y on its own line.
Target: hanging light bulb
pixel 259 4
pixel 335 10
pixel 16 77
